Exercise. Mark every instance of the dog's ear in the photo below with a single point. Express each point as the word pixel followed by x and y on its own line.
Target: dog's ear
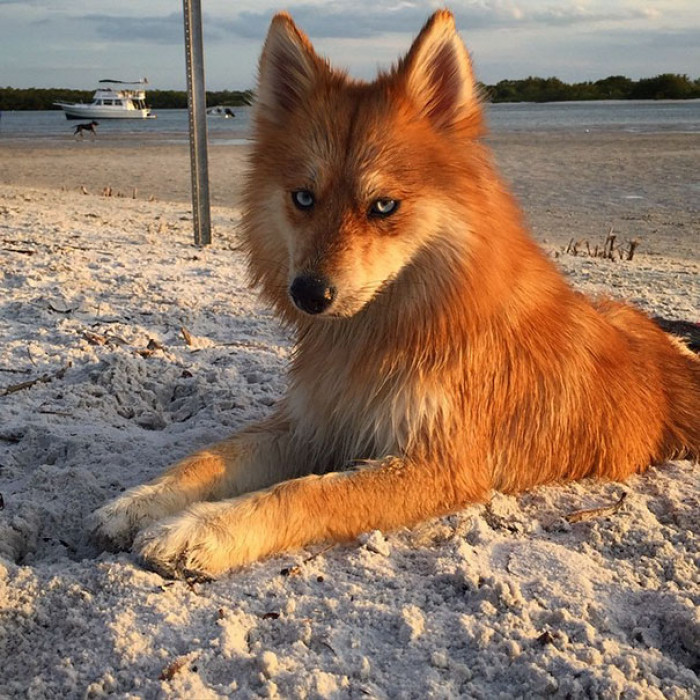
pixel 438 76
pixel 289 67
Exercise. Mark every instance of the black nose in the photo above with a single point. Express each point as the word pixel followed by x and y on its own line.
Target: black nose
pixel 312 294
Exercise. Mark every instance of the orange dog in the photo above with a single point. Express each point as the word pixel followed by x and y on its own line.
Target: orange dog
pixel 440 354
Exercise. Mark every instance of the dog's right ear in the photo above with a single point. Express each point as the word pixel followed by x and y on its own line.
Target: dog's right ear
pixel 289 67
pixel 438 76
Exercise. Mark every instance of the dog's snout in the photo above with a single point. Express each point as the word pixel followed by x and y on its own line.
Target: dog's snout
pixel 312 293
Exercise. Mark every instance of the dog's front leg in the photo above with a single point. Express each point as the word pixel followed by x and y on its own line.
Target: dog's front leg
pixel 252 459
pixel 210 538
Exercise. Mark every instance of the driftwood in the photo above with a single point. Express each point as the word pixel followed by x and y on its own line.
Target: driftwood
pixel 44 379
pixel 22 251
pixel 189 340
pixel 590 513
pixel 109 192
pixel 609 251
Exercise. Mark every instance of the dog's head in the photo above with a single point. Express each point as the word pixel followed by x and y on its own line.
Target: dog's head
pixel 350 180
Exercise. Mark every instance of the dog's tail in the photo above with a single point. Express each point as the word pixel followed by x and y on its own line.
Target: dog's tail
pixel 665 364
pixel 682 377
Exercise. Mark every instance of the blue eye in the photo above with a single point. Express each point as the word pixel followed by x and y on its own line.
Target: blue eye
pixel 383 207
pixel 303 199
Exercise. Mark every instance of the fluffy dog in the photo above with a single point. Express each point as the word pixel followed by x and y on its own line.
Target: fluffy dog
pixel 440 354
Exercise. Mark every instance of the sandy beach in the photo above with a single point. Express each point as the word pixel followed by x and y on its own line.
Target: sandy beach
pixel 99 391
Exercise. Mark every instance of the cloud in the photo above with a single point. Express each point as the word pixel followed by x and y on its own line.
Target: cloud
pixel 367 19
pixel 167 29
pixel 337 20
pixel 364 19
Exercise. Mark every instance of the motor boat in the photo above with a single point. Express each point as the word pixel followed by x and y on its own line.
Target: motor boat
pixel 114 101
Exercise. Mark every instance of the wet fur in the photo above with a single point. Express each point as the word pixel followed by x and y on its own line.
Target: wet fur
pixel 455 359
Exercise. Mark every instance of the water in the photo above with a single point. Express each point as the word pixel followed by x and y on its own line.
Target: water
pixel 171 125
pixel 634 116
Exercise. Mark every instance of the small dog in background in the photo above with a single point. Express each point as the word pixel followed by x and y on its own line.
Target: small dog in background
pixel 90 127
pixel 439 351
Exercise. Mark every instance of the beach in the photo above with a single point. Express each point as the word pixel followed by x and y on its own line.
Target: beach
pixel 571 185
pixel 580 590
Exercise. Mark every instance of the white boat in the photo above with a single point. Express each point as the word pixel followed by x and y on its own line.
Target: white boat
pixel 221 111
pixel 112 103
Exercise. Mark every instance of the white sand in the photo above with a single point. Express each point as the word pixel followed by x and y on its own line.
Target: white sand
pixel 502 600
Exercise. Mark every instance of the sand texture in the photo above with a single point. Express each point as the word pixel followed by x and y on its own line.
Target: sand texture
pixel 99 391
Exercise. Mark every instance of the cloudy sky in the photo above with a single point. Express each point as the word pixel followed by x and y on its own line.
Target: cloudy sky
pixel 74 43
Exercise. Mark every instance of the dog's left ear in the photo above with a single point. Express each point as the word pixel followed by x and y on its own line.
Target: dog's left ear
pixel 438 76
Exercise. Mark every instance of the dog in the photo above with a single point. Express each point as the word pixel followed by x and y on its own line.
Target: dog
pixel 440 355
pixel 90 127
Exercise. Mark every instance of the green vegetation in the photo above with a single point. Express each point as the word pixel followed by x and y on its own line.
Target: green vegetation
pixel 668 86
pixel 43 98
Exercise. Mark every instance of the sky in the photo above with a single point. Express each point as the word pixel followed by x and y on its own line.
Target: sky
pixel 74 43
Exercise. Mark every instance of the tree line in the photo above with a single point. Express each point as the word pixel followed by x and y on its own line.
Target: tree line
pixel 667 86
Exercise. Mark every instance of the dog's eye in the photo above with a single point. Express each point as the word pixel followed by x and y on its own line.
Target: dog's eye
pixel 303 199
pixel 383 207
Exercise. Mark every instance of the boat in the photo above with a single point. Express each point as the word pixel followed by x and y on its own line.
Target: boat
pixel 112 102
pixel 221 111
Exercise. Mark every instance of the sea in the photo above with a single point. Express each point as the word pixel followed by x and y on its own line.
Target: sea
pixel 171 125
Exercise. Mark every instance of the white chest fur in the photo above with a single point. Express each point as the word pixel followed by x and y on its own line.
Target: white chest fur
pixel 337 418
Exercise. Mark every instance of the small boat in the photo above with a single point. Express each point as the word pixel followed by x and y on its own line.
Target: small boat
pixel 112 103
pixel 221 111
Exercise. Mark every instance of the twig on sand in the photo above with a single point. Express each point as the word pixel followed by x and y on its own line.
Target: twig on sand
pixel 187 336
pixel 44 379
pixel 296 569
pixel 580 515
pixel 609 245
pixel 22 251
pixel 173 668
pixel 608 250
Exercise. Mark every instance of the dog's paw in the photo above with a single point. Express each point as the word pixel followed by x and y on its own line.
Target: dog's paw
pixel 205 541
pixel 190 545
pixel 114 525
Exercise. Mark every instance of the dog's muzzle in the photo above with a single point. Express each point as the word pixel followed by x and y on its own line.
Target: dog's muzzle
pixel 312 294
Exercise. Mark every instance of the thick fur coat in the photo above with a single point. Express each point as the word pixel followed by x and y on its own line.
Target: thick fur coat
pixel 440 354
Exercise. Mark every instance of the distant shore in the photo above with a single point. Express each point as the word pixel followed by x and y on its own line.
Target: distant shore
pixel 667 86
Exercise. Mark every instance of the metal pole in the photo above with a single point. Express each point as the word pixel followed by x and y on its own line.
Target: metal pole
pixel 197 107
